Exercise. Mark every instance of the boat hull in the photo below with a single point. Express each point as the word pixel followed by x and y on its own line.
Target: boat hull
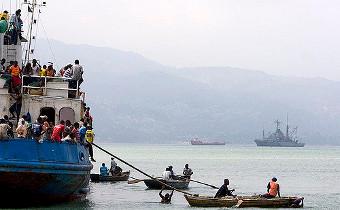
pixel 262 143
pixel 178 184
pixel 43 173
pixel 240 201
pixel 98 178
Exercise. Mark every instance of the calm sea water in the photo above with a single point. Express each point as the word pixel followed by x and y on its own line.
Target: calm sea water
pixel 311 172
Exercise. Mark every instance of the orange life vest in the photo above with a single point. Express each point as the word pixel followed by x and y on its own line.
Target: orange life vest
pixel 15 71
pixel 274 187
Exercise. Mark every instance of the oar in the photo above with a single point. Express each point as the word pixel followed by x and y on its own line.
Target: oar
pixel 135 181
pixel 204 184
pixel 140 171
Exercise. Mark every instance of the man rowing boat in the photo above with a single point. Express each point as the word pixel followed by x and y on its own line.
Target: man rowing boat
pixel 224 191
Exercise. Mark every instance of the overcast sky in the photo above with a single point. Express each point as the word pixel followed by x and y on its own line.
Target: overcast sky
pixel 284 37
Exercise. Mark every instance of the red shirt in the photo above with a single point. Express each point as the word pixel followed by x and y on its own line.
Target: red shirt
pixel 57 132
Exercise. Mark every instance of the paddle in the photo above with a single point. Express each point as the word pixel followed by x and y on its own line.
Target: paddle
pixel 204 184
pixel 239 203
pixel 135 181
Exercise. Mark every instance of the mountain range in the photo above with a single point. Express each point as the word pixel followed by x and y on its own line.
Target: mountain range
pixel 135 99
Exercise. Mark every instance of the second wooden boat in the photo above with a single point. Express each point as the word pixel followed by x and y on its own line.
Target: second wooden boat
pixel 241 201
pixel 178 184
pixel 109 178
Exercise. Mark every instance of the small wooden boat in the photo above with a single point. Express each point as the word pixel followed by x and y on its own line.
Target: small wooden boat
pixel 241 201
pixel 178 184
pixel 109 178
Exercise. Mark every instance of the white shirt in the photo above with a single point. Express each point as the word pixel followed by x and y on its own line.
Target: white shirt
pixel 166 175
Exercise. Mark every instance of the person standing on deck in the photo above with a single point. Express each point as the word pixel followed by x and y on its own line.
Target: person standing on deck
pixel 77 74
pixel 224 191
pixel 187 172
pixel 103 170
pixel 75 131
pixel 166 199
pixel 35 67
pixel 58 131
pixel 16 106
pixel 273 189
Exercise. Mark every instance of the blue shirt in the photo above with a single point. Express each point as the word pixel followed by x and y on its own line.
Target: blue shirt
pixel 82 132
pixel 103 171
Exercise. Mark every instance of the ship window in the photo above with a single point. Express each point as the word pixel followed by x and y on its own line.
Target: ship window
pixel 49 112
pixel 67 113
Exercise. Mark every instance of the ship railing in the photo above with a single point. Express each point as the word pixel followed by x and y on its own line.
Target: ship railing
pixel 43 88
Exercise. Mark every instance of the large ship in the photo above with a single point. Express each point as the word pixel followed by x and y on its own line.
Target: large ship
pixel 31 171
pixel 196 141
pixel 279 139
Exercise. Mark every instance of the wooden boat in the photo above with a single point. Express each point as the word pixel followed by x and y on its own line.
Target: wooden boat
pixel 178 184
pixel 241 201
pixel 109 178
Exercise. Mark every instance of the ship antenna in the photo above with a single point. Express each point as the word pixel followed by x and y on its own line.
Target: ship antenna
pixel 277 124
pixel 31 8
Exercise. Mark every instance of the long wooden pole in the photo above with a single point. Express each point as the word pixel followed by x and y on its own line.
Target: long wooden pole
pixel 140 171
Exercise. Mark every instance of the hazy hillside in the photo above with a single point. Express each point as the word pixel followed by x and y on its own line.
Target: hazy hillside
pixel 137 100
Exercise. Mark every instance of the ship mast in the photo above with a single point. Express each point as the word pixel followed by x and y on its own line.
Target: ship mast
pixel 32 6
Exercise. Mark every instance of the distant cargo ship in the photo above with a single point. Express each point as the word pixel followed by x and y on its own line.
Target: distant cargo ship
pixel 199 142
pixel 279 139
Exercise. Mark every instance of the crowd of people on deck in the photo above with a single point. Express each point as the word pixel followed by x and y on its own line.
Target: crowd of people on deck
pixel 32 73
pixel 45 130
pixel 15 26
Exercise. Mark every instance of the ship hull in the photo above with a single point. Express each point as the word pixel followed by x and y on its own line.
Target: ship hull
pixel 206 143
pixel 262 143
pixel 42 173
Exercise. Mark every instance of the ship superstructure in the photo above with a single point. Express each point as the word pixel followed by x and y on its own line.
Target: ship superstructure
pixel 279 139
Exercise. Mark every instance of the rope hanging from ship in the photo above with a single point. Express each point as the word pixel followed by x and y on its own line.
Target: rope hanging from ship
pixel 140 171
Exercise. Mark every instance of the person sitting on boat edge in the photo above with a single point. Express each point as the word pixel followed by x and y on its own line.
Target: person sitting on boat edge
pixel 187 172
pixel 89 135
pixel 273 189
pixel 166 199
pixel 224 191
pixel 104 170
pixel 166 174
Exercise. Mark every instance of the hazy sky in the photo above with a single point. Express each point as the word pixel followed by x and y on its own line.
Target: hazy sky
pixel 286 37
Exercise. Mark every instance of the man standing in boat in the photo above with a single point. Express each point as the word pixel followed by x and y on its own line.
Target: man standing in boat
pixel 273 189
pixel 224 191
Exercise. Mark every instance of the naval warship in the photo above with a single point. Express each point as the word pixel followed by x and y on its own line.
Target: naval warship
pixel 279 139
